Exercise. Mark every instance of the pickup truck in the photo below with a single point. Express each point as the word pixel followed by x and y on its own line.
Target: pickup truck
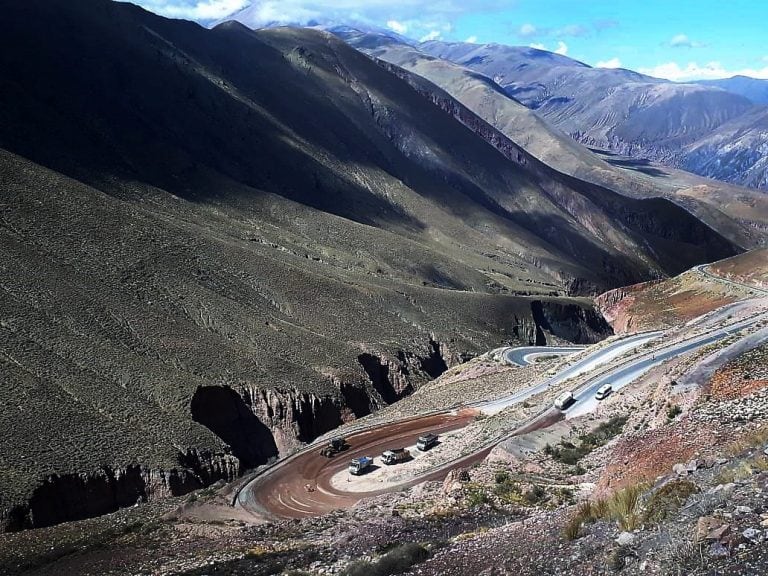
pixel 360 465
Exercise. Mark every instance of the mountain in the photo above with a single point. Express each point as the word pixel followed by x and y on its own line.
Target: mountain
pixel 738 213
pixel 756 90
pixel 738 148
pixel 219 244
pixel 618 110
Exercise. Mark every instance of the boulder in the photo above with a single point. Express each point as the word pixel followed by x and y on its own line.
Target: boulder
pixel 626 539
pixel 706 525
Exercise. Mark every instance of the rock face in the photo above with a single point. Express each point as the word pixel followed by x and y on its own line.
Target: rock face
pixel 64 498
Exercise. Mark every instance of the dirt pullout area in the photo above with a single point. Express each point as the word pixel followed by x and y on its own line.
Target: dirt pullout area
pixel 304 486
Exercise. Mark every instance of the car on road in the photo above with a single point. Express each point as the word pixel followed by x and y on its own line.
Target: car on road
pixel 360 465
pixel 564 400
pixel 396 456
pixel 426 442
pixel 603 392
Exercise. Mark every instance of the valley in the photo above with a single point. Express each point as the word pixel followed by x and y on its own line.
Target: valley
pixel 223 247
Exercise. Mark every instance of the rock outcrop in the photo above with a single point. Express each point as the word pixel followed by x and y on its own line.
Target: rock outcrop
pixel 68 497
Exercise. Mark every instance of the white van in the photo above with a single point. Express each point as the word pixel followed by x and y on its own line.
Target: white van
pixel 564 400
pixel 603 392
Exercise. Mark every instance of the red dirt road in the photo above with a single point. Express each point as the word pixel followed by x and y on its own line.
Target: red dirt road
pixel 283 492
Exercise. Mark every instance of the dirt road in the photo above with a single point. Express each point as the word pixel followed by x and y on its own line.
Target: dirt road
pixel 302 487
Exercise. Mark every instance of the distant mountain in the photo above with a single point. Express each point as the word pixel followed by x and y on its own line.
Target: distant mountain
pixel 218 244
pixel 738 148
pixel 743 218
pixel 754 89
pixel 618 110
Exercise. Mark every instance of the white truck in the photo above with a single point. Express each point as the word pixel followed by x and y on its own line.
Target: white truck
pixel 564 400
pixel 360 465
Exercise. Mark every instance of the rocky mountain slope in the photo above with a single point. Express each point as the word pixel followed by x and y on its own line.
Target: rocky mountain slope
pixel 738 147
pixel 738 213
pixel 218 244
pixel 755 89
pixel 621 110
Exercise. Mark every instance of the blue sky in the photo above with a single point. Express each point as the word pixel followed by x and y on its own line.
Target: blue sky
pixel 674 39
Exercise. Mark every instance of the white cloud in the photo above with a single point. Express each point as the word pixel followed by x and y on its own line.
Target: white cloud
pixel 433 35
pixel 471 40
pixel 398 27
pixel 612 63
pixel 194 9
pixel 527 31
pixel 682 41
pixel 425 16
pixel 694 71
pixel 562 47
pixel 575 30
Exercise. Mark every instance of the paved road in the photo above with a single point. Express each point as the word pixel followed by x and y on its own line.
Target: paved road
pixel 524 355
pixel 614 350
pixel 703 269
pixel 629 372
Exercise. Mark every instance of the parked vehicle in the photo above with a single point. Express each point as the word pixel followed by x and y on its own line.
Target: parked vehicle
pixel 360 465
pixel 333 447
pixel 426 442
pixel 603 392
pixel 395 456
pixel 564 400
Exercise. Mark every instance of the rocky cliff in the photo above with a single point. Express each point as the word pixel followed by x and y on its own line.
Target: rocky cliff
pixel 68 497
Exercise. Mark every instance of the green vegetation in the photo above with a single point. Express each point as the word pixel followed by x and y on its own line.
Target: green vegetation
pixel 673 412
pixel 513 491
pixel 398 560
pixel 569 453
pixel 476 496
pixel 623 506
pixel 572 528
pixel 667 500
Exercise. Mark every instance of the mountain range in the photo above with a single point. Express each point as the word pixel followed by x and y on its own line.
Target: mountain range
pixel 712 128
pixel 218 244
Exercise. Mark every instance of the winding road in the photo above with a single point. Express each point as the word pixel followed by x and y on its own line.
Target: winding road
pixel 524 355
pixel 300 486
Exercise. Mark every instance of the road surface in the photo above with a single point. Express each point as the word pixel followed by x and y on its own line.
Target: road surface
pixel 703 269
pixel 301 487
pixel 613 350
pixel 524 355
pixel 631 371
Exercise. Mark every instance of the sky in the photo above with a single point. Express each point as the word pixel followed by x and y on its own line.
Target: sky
pixel 679 40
